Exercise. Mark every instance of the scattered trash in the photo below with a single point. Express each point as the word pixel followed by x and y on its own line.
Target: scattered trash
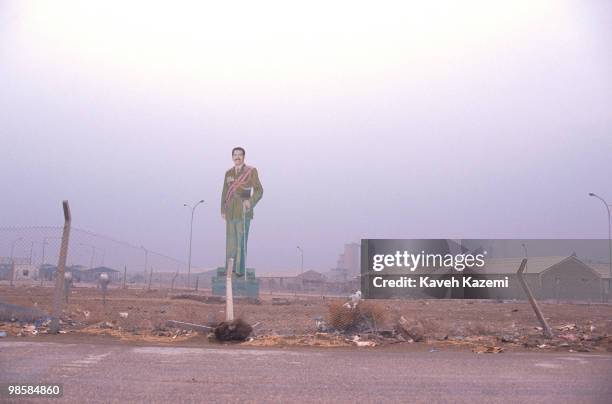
pixel 433 350
pixel 320 324
pixel 414 330
pixel 567 327
pixel 354 299
pixel 188 326
pixel 123 314
pixel 487 349
pixel 199 298
pixel 356 340
pixel 235 330
pixel 280 301
pixel 509 339
pixel 569 337
pixel 2 334
pixel 366 316
pixel 322 340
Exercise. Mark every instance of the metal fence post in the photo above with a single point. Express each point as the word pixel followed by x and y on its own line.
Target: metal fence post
pixel 12 272
pixel 173 280
pixel 59 277
pixel 104 280
pixel 545 328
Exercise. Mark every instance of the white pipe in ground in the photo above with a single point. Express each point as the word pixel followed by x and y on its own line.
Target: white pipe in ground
pixel 229 296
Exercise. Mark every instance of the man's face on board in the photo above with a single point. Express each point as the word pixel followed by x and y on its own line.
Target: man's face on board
pixel 238 157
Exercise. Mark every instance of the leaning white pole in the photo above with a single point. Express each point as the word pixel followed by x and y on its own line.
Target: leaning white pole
pixel 244 243
pixel 229 296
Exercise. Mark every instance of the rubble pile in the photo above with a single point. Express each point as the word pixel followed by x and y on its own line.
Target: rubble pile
pixel 326 340
pixel 480 326
pixel 570 337
pixel 235 330
pixel 355 317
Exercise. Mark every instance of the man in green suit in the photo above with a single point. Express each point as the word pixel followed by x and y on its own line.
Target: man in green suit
pixel 241 192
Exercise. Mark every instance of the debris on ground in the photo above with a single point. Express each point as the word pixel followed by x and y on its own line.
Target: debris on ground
pixel 364 316
pixel 567 327
pixel 357 341
pixel 235 330
pixel 313 320
pixel 12 312
pixel 280 301
pixel 215 299
pixel 200 298
pixel 323 340
pixel 354 299
pixel 188 326
pixel 320 324
pixel 487 349
pixel 413 330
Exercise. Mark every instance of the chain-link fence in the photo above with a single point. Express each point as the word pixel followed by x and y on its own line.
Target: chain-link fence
pixel 30 255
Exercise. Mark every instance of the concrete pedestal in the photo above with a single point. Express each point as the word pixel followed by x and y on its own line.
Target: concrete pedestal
pixel 241 287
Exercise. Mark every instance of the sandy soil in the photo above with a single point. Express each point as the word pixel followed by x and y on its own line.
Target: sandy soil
pixel 445 322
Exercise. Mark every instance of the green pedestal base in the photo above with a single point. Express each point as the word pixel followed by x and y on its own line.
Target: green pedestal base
pixel 241 287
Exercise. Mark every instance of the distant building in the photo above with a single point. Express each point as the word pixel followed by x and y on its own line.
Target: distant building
pixel 23 268
pixel 549 278
pixel 48 271
pixel 312 280
pixel 5 272
pixel 93 274
pixel 25 272
pixel 348 264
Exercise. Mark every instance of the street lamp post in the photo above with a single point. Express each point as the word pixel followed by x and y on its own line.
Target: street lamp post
pixel 93 253
pixel 301 259
pixel 13 247
pixel 191 237
pixel 609 237
pixel 144 278
pixel 44 244
pixel 525 250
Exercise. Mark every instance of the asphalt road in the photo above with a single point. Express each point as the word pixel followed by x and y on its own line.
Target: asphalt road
pixel 123 373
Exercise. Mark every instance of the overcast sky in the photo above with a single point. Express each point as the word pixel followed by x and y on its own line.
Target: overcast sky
pixel 365 120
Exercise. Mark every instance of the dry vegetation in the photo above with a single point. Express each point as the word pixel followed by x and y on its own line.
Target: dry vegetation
pixel 426 320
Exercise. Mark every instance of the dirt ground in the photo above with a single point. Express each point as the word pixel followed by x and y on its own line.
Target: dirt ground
pixel 140 315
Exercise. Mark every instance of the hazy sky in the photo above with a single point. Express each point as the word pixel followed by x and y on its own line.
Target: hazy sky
pixel 364 119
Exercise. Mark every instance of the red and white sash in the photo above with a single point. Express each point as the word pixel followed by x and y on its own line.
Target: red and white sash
pixel 238 182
